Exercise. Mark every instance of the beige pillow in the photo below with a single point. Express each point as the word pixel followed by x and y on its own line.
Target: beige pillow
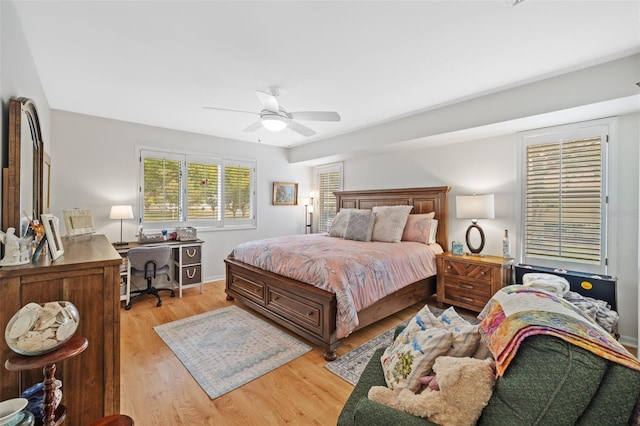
pixel 389 223
pixel 360 225
pixel 465 336
pixel 418 228
pixel 414 351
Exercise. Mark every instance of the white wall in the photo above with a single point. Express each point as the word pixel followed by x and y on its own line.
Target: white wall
pixel 491 166
pixel 18 76
pixel 94 166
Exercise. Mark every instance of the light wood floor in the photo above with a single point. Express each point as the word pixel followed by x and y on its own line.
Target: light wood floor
pixel 156 389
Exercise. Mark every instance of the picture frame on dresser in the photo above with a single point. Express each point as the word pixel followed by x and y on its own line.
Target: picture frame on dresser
pixel 52 233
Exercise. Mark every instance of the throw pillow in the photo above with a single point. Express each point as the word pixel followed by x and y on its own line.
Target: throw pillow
pixel 359 225
pixel 418 228
pixel 390 222
pixel 465 336
pixel 414 351
pixel 339 224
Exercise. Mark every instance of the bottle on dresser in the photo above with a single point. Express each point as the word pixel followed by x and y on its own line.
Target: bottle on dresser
pixel 506 245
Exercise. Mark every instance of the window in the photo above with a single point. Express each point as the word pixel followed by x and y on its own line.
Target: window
pixel 188 190
pixel 329 180
pixel 565 197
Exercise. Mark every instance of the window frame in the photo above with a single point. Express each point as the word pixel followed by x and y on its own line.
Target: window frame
pixel 570 132
pixel 321 206
pixel 219 223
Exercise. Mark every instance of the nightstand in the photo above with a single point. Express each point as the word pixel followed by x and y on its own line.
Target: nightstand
pixel 470 281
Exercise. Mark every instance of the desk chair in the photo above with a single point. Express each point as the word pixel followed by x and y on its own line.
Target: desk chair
pixel 147 262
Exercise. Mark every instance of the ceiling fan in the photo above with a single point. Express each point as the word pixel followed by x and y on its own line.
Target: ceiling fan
pixel 275 118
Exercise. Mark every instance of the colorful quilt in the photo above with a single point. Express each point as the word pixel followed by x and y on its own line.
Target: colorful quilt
pixel 359 273
pixel 516 312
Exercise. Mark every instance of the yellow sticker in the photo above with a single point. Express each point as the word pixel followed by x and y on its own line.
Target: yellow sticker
pixel 586 285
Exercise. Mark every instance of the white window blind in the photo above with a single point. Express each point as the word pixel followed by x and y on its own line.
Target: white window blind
pixel 187 190
pixel 564 200
pixel 329 180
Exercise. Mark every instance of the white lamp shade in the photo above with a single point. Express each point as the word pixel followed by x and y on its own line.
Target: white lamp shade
pixel 475 207
pixel 274 122
pixel 121 212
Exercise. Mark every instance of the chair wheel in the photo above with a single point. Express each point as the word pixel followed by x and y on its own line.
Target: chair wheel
pixel 159 303
pixel 173 294
pixel 127 307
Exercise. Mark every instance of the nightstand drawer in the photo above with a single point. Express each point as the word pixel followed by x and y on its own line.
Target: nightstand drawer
pixel 468 286
pixel 465 269
pixel 465 298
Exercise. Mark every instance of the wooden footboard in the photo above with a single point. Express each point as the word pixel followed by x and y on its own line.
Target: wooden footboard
pixel 306 310
pixel 311 312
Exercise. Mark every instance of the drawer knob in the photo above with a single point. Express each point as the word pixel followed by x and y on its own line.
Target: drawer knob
pixel 190 253
pixel 448 266
pixel 310 314
pixel 463 285
pixel 481 272
pixel 276 298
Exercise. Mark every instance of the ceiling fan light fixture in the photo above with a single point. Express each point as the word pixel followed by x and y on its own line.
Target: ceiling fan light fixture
pixel 274 122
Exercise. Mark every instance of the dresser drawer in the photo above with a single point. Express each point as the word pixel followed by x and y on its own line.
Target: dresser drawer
pixel 303 312
pixel 252 289
pixel 465 269
pixel 190 255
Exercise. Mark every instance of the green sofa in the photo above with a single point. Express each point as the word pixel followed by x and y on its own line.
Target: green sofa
pixel 549 382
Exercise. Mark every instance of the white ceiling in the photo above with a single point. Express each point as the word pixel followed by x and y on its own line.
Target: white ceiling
pixel 160 62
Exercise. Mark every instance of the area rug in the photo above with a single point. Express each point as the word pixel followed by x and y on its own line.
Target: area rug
pixel 228 347
pixel 349 366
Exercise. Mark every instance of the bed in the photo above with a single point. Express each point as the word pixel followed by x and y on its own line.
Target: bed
pixel 311 312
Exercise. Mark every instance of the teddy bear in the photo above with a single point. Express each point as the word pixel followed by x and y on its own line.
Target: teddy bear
pixel 456 396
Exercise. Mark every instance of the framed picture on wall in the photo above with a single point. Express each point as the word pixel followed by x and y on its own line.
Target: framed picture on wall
pixel 285 194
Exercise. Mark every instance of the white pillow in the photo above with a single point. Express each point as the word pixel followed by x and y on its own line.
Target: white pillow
pixel 433 231
pixel 389 223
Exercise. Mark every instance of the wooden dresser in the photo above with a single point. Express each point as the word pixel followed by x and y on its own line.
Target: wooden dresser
pixel 87 275
pixel 470 281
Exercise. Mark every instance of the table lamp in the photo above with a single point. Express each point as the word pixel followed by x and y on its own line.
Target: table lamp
pixel 121 212
pixel 475 207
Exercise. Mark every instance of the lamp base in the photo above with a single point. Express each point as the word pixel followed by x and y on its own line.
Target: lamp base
pixel 475 251
pixel 474 254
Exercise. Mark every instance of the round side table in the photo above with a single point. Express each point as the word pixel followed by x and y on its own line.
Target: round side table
pixel 47 362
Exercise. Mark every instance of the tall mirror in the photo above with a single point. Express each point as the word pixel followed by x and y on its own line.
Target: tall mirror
pixel 22 178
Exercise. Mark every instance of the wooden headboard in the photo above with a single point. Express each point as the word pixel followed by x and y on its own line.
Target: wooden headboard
pixel 424 200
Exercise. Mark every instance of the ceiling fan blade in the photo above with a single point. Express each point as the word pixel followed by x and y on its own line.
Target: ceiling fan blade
pixel 268 100
pixel 255 126
pixel 231 110
pixel 299 128
pixel 315 115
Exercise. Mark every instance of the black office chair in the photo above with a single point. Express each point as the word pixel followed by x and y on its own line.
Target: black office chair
pixel 148 262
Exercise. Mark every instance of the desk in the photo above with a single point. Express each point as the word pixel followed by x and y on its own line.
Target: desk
pixel 187 261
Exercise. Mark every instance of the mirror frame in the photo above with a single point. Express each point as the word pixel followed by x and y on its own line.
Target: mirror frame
pixel 11 210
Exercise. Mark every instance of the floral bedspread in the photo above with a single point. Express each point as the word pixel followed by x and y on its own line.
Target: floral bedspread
pixel 359 273
pixel 516 312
